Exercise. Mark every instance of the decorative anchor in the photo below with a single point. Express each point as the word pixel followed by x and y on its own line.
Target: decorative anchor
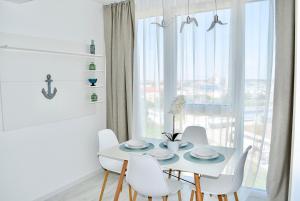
pixel 48 94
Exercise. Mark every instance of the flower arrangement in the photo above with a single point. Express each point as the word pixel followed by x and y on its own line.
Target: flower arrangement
pixel 176 108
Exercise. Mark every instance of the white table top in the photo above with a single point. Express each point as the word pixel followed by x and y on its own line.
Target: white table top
pixel 208 169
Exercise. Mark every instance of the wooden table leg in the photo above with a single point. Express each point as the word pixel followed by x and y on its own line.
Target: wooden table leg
pixel 121 178
pixel 198 187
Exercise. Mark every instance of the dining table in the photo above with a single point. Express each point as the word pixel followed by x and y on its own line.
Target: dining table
pixel 181 162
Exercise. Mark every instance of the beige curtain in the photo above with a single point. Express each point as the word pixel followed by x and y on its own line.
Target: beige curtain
pixel 279 165
pixel 119 44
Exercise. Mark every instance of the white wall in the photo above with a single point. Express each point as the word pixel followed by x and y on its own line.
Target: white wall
pixel 38 160
pixel 295 170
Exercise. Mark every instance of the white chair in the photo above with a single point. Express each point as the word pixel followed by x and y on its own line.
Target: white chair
pixel 146 178
pixel 195 134
pixel 225 184
pixel 107 139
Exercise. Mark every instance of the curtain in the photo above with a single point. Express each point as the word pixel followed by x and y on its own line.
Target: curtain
pixel 279 171
pixel 119 45
pixel 226 75
pixel 148 78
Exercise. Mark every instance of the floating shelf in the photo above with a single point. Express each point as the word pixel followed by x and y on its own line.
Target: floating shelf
pixel 97 86
pixel 43 51
pixel 95 71
pixel 94 102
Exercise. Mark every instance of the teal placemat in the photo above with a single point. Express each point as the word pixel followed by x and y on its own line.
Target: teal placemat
pixel 187 147
pixel 124 148
pixel 169 161
pixel 190 158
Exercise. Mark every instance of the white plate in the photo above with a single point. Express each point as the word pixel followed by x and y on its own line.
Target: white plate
pixel 181 144
pixel 136 144
pixel 205 157
pixel 204 153
pixel 161 154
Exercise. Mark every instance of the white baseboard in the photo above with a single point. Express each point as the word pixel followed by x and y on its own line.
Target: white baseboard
pixel 70 185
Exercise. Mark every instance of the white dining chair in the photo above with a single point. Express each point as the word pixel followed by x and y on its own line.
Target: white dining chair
pixel 107 139
pixel 225 184
pixel 146 178
pixel 195 134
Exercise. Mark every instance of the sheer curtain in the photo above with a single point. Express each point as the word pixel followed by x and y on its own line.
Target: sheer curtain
pixel 148 78
pixel 225 75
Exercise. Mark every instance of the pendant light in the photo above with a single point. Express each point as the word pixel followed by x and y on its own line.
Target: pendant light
pixel 216 19
pixel 163 23
pixel 189 19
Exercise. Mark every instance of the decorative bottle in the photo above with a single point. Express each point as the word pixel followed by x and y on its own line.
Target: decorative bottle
pixel 92 66
pixel 92 47
pixel 94 97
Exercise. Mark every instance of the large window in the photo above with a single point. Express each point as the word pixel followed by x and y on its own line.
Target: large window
pixel 206 76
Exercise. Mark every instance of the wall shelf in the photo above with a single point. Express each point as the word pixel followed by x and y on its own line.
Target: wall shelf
pixel 97 86
pixel 94 102
pixel 95 71
pixel 43 51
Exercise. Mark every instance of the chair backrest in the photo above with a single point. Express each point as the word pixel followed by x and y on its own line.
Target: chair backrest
pixel 239 170
pixel 107 138
pixel 145 176
pixel 195 134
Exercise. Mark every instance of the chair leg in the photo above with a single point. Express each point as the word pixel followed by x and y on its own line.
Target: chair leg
pixel 179 196
pixel 130 192
pixel 225 198
pixel 134 196
pixel 165 198
pixel 236 196
pixel 192 195
pixel 198 187
pixel 179 175
pixel 106 173
pixel 120 181
pixel 170 173
pixel 220 198
pixel 149 198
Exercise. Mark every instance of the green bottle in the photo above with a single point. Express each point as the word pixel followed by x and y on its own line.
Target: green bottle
pixel 94 97
pixel 92 47
pixel 92 66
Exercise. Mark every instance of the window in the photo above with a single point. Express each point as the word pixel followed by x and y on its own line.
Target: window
pixel 204 74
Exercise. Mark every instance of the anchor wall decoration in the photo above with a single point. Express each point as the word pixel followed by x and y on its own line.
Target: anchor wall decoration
pixel 49 94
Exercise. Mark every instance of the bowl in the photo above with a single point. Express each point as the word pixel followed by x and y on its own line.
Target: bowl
pixel 93 81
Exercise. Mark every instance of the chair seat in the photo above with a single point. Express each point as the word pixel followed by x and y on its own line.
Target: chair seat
pixel 216 186
pixel 174 186
pixel 111 164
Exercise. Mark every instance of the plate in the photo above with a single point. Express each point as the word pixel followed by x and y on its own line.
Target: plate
pixel 204 153
pixel 182 144
pixel 136 144
pixel 161 154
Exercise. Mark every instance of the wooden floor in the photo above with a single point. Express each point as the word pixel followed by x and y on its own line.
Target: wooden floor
pixel 89 191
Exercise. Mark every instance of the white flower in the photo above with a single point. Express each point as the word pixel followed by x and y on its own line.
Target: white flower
pixel 177 105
